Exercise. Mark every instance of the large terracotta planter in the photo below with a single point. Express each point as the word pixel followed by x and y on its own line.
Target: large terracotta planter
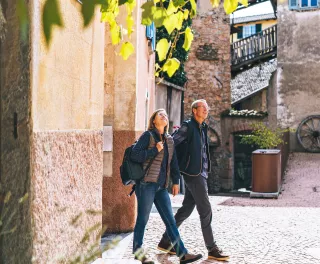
pixel 266 171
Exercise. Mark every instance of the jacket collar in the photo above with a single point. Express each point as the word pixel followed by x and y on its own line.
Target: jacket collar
pixel 203 125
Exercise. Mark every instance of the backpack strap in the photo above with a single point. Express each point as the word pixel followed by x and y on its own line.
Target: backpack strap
pixel 147 168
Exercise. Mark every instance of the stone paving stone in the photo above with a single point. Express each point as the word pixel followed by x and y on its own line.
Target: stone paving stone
pixel 252 233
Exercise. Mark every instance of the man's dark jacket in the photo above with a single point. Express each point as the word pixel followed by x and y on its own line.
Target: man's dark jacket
pixel 189 151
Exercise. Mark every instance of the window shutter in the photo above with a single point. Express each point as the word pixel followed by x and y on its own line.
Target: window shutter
pixel 293 4
pixel 239 35
pixel 151 35
pixel 258 28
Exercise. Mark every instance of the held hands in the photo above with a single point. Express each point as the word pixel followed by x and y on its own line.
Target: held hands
pixel 175 189
pixel 159 146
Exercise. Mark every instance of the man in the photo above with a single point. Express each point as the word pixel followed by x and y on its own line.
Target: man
pixel 191 142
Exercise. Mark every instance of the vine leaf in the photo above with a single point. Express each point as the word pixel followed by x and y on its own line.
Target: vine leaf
pixel 188 38
pixel 51 16
pixel 162 48
pixel 171 66
pixel 170 23
pixel 126 50
pixel 215 3
pixel 230 6
pixel 147 13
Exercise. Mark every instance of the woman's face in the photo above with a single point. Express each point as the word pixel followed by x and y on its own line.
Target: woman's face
pixel 161 119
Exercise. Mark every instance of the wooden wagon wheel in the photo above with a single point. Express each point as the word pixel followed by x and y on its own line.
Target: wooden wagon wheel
pixel 308 133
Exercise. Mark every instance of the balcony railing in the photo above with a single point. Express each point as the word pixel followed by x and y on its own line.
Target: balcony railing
pixel 258 47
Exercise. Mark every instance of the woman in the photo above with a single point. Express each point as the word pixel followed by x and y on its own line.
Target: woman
pixel 156 147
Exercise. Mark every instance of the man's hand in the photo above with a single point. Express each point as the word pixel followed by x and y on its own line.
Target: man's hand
pixel 175 189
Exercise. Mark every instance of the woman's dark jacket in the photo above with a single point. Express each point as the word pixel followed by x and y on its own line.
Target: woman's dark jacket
pixel 164 164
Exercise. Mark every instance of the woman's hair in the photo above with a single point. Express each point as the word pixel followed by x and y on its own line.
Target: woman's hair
pixel 151 125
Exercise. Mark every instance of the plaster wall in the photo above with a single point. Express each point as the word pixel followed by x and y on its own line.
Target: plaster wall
pixel 129 100
pixel 298 67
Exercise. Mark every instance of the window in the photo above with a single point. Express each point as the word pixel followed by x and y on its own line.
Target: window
pixel 151 35
pixel 249 30
pixel 303 4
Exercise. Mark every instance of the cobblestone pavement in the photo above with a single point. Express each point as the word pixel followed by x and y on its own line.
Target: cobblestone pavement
pixel 254 233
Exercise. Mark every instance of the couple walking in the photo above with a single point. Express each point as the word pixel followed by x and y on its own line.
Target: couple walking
pixel 190 145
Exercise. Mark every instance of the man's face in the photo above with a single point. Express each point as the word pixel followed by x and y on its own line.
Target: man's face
pixel 202 111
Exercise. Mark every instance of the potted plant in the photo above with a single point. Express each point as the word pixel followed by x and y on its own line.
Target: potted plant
pixel 266 161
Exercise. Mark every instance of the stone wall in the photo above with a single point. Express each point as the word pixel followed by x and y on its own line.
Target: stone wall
pixel 209 75
pixel 51 134
pixel 298 67
pixel 208 66
pixel 15 130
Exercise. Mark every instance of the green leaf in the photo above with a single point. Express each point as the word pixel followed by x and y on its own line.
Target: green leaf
pixel 170 23
pixel 162 48
pixel 87 10
pixel 159 16
pixel 179 3
pixel 121 2
pixel 126 50
pixel 188 38
pixel 230 6
pixel 171 66
pixel 22 12
pixel 193 11
pixel 115 34
pixel 147 13
pixel 215 3
pixel 50 16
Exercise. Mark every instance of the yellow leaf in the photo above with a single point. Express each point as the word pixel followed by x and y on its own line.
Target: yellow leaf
pixel 193 8
pixel 159 16
pixel 179 16
pixel 115 34
pixel 171 8
pixel 243 2
pixel 130 23
pixel 170 23
pixel 171 66
pixel 188 38
pixel 186 14
pixel 131 6
pixel 162 48
pixel 215 3
pixel 126 50
pixel 230 6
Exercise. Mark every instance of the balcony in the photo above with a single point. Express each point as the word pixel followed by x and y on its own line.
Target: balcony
pixel 254 49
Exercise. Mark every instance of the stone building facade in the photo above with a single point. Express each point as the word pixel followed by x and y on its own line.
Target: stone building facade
pixel 298 91
pixel 67 114
pixel 209 75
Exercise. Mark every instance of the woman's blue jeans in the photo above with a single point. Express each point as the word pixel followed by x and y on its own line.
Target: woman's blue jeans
pixel 148 193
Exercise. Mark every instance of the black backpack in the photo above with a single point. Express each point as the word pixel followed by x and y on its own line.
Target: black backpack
pixel 131 171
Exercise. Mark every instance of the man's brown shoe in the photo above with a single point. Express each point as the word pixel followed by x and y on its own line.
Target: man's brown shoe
pixel 216 253
pixel 166 247
pixel 189 258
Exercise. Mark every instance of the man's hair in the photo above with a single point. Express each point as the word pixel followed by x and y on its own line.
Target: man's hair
pixel 195 104
pixel 151 125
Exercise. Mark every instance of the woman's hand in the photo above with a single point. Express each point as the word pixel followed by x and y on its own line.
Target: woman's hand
pixel 159 146
pixel 175 189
